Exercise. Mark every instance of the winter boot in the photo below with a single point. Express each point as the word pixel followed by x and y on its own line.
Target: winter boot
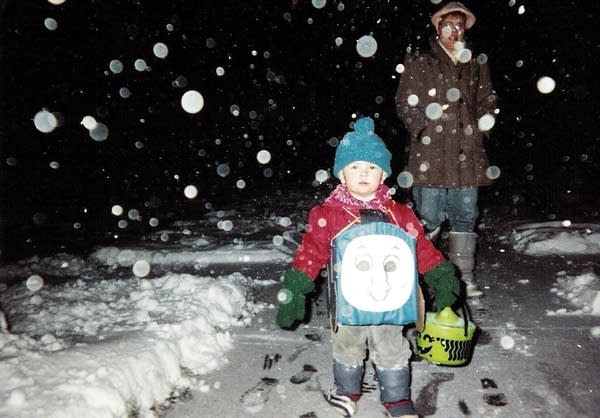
pixel 461 251
pixel 348 382
pixel 342 404
pixel 394 385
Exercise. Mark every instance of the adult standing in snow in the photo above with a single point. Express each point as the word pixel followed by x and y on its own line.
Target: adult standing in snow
pixel 447 102
pixel 362 162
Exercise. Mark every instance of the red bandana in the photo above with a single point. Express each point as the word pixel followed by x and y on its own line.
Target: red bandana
pixel 340 196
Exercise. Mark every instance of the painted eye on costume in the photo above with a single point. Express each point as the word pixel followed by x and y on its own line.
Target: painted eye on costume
pixel 363 263
pixel 391 263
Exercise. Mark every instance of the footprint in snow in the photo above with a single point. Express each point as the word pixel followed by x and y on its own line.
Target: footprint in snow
pixel 304 375
pixel 254 399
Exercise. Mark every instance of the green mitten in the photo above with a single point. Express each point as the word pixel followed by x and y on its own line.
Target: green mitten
pixel 444 282
pixel 291 301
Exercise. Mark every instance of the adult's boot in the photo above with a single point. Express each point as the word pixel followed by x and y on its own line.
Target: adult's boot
pixel 461 251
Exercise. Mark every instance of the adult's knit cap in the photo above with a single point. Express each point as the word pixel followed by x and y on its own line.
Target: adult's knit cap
pixel 453 6
pixel 362 144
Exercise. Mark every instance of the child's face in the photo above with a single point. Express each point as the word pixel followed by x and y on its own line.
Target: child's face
pixel 362 179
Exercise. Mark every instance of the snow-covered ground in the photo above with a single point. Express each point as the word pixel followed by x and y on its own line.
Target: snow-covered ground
pixel 124 329
pixel 582 291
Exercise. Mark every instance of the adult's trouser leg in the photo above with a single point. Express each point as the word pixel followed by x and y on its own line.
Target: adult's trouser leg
pixel 430 205
pixel 461 209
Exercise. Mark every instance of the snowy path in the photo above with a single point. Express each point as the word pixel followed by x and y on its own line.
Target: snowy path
pixel 526 363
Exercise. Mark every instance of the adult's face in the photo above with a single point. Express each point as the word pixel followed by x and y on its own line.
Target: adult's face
pixel 451 30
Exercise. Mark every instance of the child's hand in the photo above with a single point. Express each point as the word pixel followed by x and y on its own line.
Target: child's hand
pixel 291 301
pixel 445 284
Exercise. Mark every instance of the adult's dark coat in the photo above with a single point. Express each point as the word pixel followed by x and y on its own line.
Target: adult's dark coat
pixel 446 152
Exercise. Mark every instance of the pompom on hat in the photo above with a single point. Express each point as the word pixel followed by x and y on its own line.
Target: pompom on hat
pixel 362 144
pixel 453 6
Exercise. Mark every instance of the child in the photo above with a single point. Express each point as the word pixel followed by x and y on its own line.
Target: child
pixel 362 163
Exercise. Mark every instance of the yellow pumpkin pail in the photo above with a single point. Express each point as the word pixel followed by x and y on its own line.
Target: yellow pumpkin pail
pixel 446 339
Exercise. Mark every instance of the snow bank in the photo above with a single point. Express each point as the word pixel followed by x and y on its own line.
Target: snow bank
pixel 115 347
pixel 582 291
pixel 228 254
pixel 546 238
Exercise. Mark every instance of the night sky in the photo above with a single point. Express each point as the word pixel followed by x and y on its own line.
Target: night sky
pixel 295 88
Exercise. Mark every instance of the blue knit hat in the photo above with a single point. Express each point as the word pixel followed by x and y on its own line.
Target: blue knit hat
pixel 362 144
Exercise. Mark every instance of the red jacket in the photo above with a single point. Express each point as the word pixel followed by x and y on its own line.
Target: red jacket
pixel 327 220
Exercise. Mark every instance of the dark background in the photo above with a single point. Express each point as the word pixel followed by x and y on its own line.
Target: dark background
pixel 297 92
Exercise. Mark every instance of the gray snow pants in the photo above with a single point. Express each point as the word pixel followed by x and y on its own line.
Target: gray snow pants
pixel 388 348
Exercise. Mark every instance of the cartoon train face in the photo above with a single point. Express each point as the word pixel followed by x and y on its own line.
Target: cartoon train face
pixel 374 275
pixel 377 273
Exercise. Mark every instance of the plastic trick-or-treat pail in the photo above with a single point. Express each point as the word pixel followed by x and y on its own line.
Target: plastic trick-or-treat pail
pixel 446 338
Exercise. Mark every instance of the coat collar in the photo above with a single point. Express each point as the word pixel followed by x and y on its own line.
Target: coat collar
pixel 438 50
